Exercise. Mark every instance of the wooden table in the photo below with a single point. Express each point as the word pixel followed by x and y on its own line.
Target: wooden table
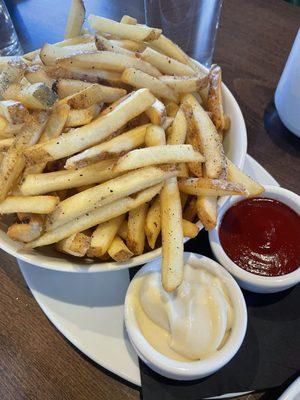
pixel 36 361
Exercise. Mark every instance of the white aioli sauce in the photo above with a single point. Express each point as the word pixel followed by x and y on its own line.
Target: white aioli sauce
pixel 191 323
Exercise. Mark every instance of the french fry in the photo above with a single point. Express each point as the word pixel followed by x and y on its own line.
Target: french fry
pixel 49 53
pixel 103 236
pixel 29 229
pixel 82 117
pixel 122 232
pixel 135 32
pixel 5 144
pixel 155 136
pixel 36 73
pixel 85 98
pixel 169 48
pixel 157 113
pixel 93 133
pixel 135 230
pixel 88 75
pixel 140 79
pixel 104 44
pixel 75 19
pixel 37 96
pixel 96 217
pixel 172 236
pixel 185 84
pixel 157 155
pixel 119 251
pixel 55 123
pixel 203 128
pixel 171 108
pixel 14 112
pixel 41 183
pixel 189 229
pixel 68 87
pixel 105 193
pixel 112 148
pixel 128 44
pixel 235 175
pixel 179 129
pixel 12 72
pixel 110 61
pixel 165 64
pixel 127 19
pixel 211 187
pixel 76 245
pixel 214 100
pixel 29 204
pixel 190 211
pixel 207 211
pixel 153 222
pixel 3 123
pixel 195 168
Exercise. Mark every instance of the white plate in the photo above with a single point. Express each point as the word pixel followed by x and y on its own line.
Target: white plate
pixel 292 392
pixel 88 308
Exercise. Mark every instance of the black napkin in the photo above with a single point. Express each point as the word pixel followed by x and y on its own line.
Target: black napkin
pixel 268 357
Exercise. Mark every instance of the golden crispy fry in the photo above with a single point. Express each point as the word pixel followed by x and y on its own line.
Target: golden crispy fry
pixel 195 168
pixel 105 193
pixel 96 217
pixel 157 113
pixel 75 19
pixel 237 176
pixel 207 211
pixel 41 183
pixel 178 129
pixel 169 48
pixel 118 250
pixel 189 229
pixel 155 136
pixel 28 204
pixel 135 229
pixel 76 245
pixel 214 100
pixel 185 84
pixel 30 228
pixel 122 232
pixel 165 64
pixel 36 73
pixel 49 53
pixel 13 112
pixel 140 79
pixel 93 133
pixel 108 60
pixel 112 148
pixel 136 32
pixel 203 128
pixel 3 123
pixel 67 87
pixel 128 44
pixel 190 211
pixel 127 19
pixel 82 117
pixel 153 222
pixel 172 236
pixel 85 98
pixel 157 155
pixel 211 187
pixel 171 108
pixel 103 236
pixel 5 144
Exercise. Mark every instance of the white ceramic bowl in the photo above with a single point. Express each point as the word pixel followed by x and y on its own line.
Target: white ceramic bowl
pixel 247 280
pixel 235 145
pixel 195 369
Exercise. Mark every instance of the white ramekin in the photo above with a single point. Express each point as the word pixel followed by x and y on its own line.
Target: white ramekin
pixel 247 280
pixel 195 369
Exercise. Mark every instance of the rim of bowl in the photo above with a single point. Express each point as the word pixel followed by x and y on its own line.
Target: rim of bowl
pixel 185 370
pixel 68 264
pixel 277 193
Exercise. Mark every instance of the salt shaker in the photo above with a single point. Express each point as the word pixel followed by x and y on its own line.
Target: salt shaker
pixel 287 95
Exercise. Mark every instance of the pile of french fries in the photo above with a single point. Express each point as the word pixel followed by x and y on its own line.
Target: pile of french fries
pixel 111 144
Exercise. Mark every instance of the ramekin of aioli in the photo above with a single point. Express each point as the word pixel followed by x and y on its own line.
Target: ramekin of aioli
pixel 193 331
pixel 258 240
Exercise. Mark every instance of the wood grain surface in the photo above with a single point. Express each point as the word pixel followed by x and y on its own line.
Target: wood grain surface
pixel 254 39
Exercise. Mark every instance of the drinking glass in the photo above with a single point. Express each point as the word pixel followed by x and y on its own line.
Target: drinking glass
pixel 9 42
pixel 192 24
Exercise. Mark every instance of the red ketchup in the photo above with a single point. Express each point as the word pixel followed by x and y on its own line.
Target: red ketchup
pixel 262 236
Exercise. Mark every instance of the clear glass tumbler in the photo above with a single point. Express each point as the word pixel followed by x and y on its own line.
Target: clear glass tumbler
pixel 192 24
pixel 9 42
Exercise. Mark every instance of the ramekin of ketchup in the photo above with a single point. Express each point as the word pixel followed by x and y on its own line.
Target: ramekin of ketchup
pixel 258 240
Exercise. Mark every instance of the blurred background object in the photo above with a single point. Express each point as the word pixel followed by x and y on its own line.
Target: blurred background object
pixel 296 2
pixel 9 42
pixel 196 20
